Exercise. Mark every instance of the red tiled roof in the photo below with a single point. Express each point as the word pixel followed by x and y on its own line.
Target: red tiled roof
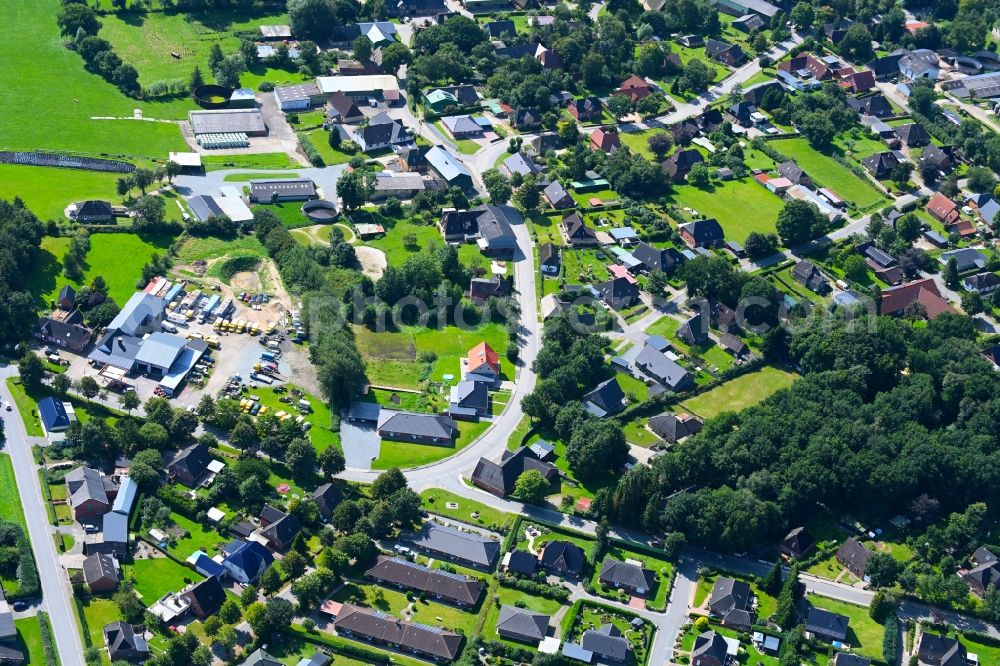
pixel 483 354
pixel 895 300
pixel 964 228
pixel 942 208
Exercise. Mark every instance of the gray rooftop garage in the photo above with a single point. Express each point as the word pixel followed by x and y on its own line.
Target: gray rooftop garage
pixel 247 121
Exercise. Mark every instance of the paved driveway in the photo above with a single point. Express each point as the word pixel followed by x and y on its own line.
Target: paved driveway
pixel 360 442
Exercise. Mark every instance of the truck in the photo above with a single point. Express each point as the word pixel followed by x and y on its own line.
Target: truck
pixel 273 345
pixel 168 327
pixel 268 356
pixel 264 379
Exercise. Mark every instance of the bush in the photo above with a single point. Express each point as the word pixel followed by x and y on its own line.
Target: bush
pixel 531 587
pixel 265 86
pixel 307 146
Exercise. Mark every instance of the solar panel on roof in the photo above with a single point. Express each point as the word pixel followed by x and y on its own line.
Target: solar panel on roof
pixel 427 627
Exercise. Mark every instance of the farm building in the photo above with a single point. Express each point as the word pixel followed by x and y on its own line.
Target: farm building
pixel 228 121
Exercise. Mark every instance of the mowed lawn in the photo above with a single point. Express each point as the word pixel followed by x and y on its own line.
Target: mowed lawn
pixel 408 454
pixel 10 500
pixel 155 577
pixel 47 98
pixel 29 638
pixel 393 358
pixel 829 172
pixel 403 238
pixel 740 393
pixel 146 41
pixel 118 258
pixel 47 191
pixel 395 602
pixel 740 206
pixel 864 634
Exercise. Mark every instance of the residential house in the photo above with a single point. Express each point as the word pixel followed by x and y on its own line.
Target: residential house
pixel 655 365
pixel 281 532
pixel 518 624
pixel 894 301
pixel 483 364
pixel 100 572
pixel 655 259
pixel 850 659
pixel 549 260
pixel 576 231
pixel 742 113
pixel 246 560
pixel 796 543
pixel 189 464
pixel 497 29
pixel 826 625
pixel 734 344
pixel 586 109
pixel 858 82
pixel 562 558
pixel 378 33
pixel 691 41
pixel 260 657
pixel 913 135
pixel 677 166
pixel 205 597
pixel 882 264
pixel 983 205
pixel 327 498
pixel 936 650
pixel 885 67
pixel 702 233
pixel 462 127
pixel 380 133
pixel 526 119
pixel 710 649
pixel 748 23
pixel 981 577
pixel 694 331
pixel 374 626
pixel 635 88
pixel 607 398
pixel 808 274
pixel 557 196
pixel 632 578
pixel 982 283
pixel 607 643
pixel 126 642
pixel 414 427
pixel 966 259
pixel 618 293
pixel 468 400
pixel 520 562
pixel 499 478
pixel 919 64
pixel 943 209
pixel 881 165
pixel 90 493
pixel 440 585
pixel 673 428
pixel 483 289
pixel 69 333
pixel 983 555
pixel 605 139
pixel 875 105
pixel 728 54
pixel 56 415
pixel 853 556
pixel 544 142
pixel 520 164
pixel 943 158
pixel 486 225
pixel 92 212
pixel 794 173
pixel 732 602
pixel 450 543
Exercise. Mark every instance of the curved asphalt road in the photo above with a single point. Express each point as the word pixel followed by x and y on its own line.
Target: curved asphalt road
pixel 56 590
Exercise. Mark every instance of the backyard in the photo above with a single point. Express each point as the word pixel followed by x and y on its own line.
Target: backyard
pixel 154 577
pixel 864 634
pixel 118 258
pixel 407 454
pixel 662 569
pixel 739 393
pixel 740 206
pixel 394 602
pixel 766 603
pixel 830 172
pixel 436 500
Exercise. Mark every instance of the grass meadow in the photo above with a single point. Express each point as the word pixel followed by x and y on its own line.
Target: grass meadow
pixel 740 393
pixel 757 208
pixel 830 172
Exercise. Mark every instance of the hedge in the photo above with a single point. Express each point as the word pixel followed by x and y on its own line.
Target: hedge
pixel 45 629
pixel 341 646
pixel 531 587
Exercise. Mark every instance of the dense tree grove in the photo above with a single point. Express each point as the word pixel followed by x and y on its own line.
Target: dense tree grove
pixel 856 432
pixel 20 237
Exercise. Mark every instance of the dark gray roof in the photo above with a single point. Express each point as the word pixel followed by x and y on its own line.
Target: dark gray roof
pixel 827 624
pixel 704 232
pixel 418 425
pixel 913 134
pixel 384 628
pixel 710 647
pixel 261 658
pixel 99 567
pixel 282 531
pixel 654 259
pixel 190 461
pixel 262 190
pixel 125 641
pixel 501 477
pixel 521 623
pixel 983 555
pixel 607 397
pixel 453 587
pixel 85 483
pixel 728 595
pixel 563 555
pixel 657 366
pixel 555 192
pixel 462 545
pixel 626 574
pixel 674 427
pixel 850 659
pixel 208 593
pixel 518 163
pixel 618 292
pixel 936 650
pixel 463 124
pixel 606 642
pixel 522 562
pixel 472 394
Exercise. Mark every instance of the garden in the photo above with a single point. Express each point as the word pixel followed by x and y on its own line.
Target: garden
pixel 739 393
pixel 740 206
pixel 831 173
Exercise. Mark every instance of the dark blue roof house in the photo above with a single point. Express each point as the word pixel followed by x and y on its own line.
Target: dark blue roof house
pixel 54 416
pixel 206 566
pixel 246 560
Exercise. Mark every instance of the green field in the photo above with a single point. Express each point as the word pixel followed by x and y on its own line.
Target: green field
pixel 742 392
pixel 192 249
pixel 393 358
pixel 119 258
pixel 740 206
pixel 146 41
pixel 435 500
pixel 29 637
pixel 267 175
pixel 26 407
pixel 638 142
pixel 830 172
pixel 47 191
pixel 10 500
pixel 95 613
pixel 394 244
pixel 320 139
pixel 47 99
pixel 155 577
pixel 249 161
